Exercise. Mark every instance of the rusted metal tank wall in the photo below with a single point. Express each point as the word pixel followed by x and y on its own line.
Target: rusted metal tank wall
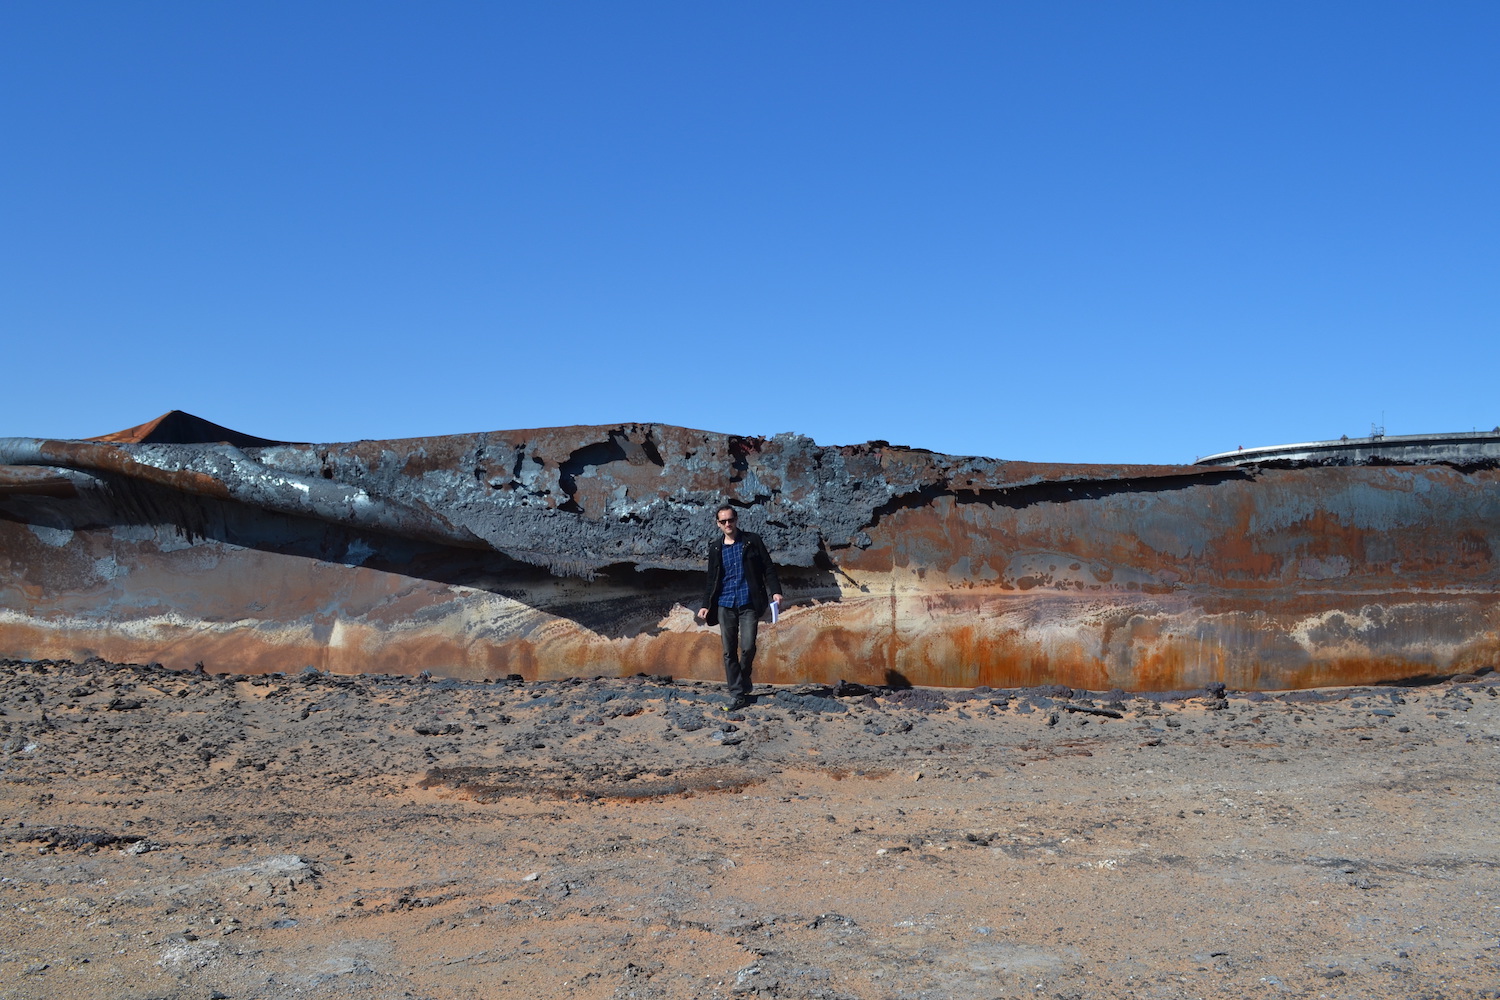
pixel 578 551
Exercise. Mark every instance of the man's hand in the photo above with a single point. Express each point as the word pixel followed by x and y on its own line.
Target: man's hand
pixel 775 598
pixel 702 614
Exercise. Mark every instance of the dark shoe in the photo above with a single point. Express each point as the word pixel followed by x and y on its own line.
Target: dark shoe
pixel 741 701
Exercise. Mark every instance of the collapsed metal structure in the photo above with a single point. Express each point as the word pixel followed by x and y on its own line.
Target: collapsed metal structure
pixel 579 551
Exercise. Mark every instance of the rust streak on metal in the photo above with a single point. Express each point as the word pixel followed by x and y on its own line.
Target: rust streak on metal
pixel 25 480
pixel 89 457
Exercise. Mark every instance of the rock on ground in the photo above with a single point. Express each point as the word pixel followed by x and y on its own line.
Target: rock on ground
pixel 187 835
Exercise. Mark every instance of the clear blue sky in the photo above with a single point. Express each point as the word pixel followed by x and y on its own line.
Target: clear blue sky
pixel 1112 232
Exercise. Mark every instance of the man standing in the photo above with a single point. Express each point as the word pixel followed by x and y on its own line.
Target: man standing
pixel 740 575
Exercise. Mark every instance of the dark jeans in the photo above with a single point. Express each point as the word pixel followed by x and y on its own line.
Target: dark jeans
pixel 737 630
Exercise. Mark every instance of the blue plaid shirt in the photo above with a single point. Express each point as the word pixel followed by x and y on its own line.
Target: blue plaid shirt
pixel 736 592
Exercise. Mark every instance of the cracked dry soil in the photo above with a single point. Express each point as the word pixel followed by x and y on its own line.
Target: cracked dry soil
pixel 198 836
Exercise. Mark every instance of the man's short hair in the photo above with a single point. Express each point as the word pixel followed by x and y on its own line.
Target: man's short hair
pixel 726 506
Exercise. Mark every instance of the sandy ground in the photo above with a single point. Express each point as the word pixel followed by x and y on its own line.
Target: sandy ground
pixel 186 835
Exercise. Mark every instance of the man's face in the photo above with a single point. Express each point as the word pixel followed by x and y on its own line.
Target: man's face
pixel 727 521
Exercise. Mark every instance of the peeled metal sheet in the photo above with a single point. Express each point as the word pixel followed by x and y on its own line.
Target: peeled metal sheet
pixel 579 551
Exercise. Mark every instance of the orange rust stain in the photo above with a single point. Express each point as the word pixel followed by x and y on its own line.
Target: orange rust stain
pixel 1345 671
pixel 832 653
pixel 1161 666
pixel 1483 652
pixel 518 656
pixel 964 656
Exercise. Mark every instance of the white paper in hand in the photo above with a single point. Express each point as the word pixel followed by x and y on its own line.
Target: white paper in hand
pixel 775 611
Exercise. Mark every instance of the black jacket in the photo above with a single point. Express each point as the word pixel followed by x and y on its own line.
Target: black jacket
pixel 760 574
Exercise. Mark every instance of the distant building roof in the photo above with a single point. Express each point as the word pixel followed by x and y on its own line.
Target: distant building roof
pixel 1463 448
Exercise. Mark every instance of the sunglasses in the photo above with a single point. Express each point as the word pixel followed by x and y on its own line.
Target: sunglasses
pixel 728 520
